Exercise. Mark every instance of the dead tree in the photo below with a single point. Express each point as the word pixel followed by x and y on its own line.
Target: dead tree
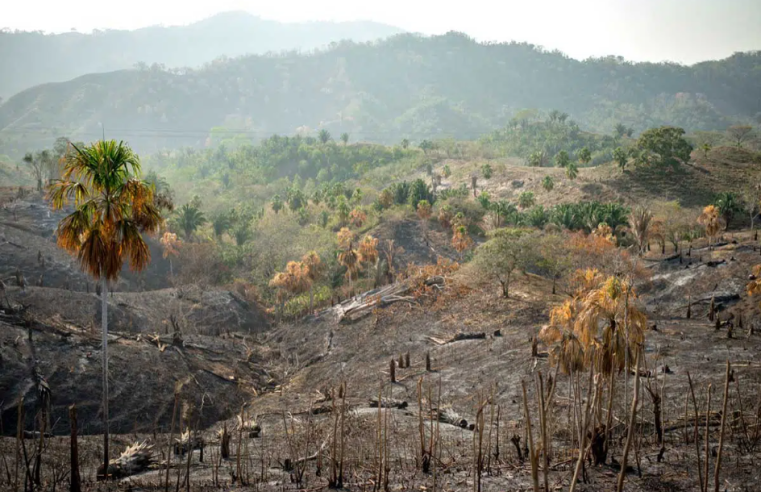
pixel 76 482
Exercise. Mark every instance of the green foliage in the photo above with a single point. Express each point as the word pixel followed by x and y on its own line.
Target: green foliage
pixel 345 138
pixel 221 223
pixel 506 251
pixel 537 217
pixel 189 219
pixel 323 218
pixel 447 171
pixel 343 209
pixel 562 159
pixel 572 171
pixel 548 183
pixel 728 203
pixel 401 192
pixel 419 190
pixel 405 143
pixel 584 156
pixel 526 199
pixel 323 136
pixel 621 158
pixel 486 171
pixel 483 199
pixel 588 215
pixel 277 203
pixel 459 192
pixel 535 159
pixel 664 145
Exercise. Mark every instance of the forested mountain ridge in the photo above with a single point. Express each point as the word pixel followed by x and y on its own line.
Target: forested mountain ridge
pixel 404 87
pixel 31 58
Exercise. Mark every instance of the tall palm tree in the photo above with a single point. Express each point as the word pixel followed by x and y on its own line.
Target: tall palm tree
pixel 189 219
pixel 113 207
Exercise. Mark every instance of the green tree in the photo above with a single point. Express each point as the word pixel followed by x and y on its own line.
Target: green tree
pixel 39 163
pixel 419 190
pixel 163 196
pixel 620 130
pixel 343 210
pixel 548 183
pixel 562 159
pixel 189 219
pixel 526 199
pixel 620 156
pixel 728 204
pixel 276 204
pixel 405 143
pixel 554 257
pixel 572 171
pixel 112 210
pixel 221 223
pixel 664 145
pixel 323 136
pixel 706 148
pixel 447 171
pixel 486 170
pixel 584 156
pixel 242 233
pixel 483 199
pixel 345 138
pixel 536 159
pixel 425 146
pixel 506 251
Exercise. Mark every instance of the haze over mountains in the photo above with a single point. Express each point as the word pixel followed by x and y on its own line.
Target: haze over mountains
pixel 407 86
pixel 31 58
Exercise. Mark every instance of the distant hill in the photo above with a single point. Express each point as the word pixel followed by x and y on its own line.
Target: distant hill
pixel 407 86
pixel 31 58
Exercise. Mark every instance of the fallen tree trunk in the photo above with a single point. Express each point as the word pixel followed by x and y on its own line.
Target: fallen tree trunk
pixel 467 336
pixel 388 403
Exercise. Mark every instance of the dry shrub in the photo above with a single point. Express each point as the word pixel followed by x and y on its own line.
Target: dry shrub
pixel 201 264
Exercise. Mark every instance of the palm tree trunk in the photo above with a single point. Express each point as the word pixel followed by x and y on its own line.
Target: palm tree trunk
pixel 104 322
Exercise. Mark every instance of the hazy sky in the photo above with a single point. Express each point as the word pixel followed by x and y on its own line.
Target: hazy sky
pixel 679 30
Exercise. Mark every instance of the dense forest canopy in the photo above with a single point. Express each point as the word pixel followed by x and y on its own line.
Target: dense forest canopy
pixel 31 58
pixel 405 87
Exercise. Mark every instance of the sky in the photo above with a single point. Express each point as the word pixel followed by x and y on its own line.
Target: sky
pixel 685 31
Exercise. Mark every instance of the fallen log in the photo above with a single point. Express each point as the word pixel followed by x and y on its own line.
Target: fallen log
pixel 467 336
pixel 388 403
pixel 449 416
pixel 137 458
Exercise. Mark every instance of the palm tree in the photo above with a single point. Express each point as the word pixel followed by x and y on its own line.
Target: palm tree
pixel 345 138
pixel 190 219
pixel 163 196
pixel 572 171
pixel 611 305
pixel 314 268
pixel 548 183
pixel 323 136
pixel 113 208
pixel 640 221
pixel 713 222
pixel 221 223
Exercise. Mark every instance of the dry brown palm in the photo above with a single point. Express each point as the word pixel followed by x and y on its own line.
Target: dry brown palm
pixel 713 222
pixel 640 222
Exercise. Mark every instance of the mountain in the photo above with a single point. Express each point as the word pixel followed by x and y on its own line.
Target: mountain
pixel 31 58
pixel 406 86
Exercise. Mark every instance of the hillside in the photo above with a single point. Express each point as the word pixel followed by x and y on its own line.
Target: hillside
pixel 403 87
pixel 32 58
